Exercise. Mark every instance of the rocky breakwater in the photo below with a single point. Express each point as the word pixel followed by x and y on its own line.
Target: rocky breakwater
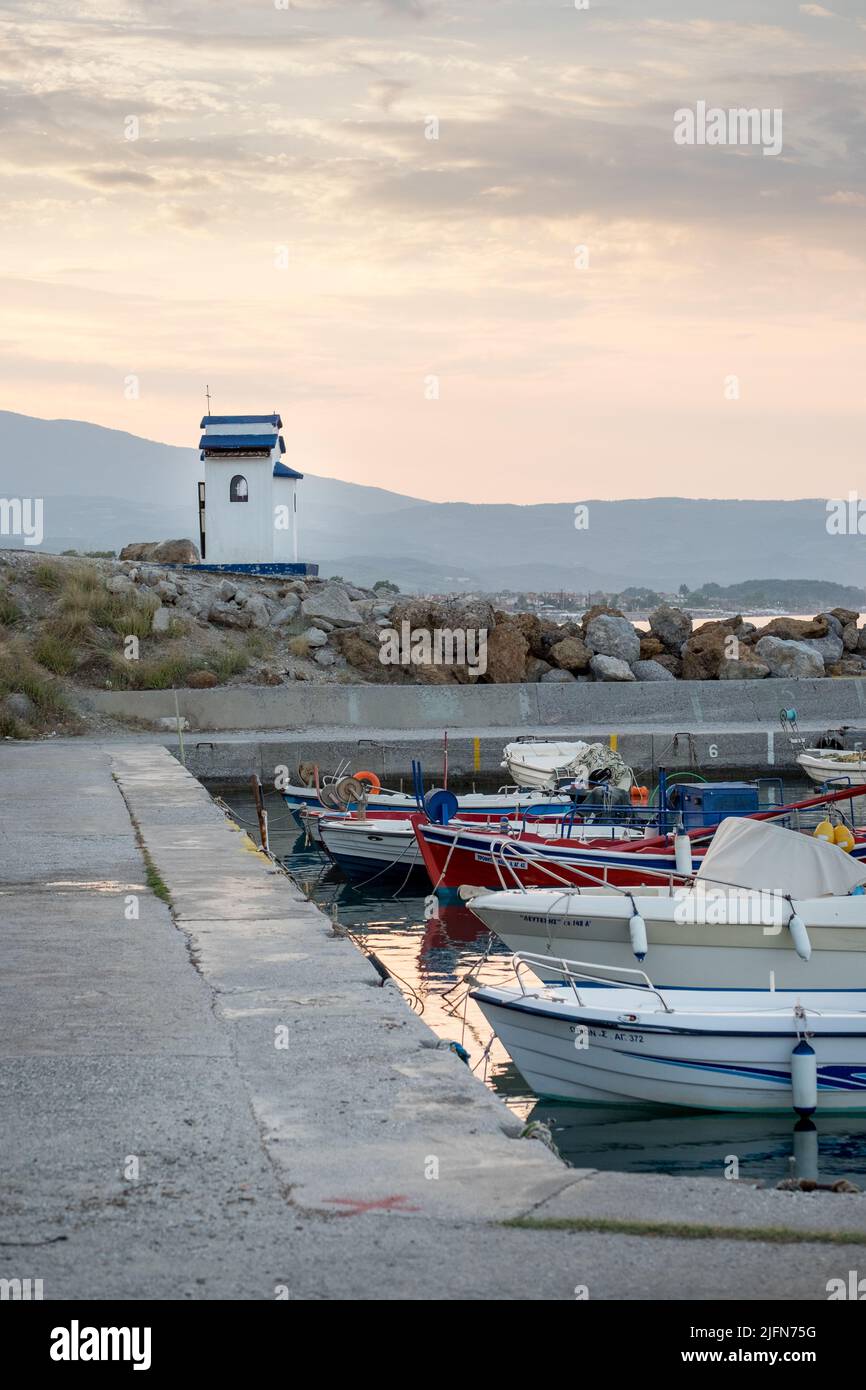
pixel 335 630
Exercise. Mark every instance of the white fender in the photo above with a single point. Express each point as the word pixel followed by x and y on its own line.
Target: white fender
pixel 804 1078
pixel 800 937
pixel 683 853
pixel 637 932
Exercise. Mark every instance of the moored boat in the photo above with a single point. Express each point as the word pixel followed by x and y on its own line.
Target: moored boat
pixel 584 1039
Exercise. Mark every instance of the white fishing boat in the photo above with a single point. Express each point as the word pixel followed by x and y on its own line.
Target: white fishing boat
pixel 507 801
pixel 834 765
pixel 767 906
pixel 362 847
pixel 545 764
pixel 584 1039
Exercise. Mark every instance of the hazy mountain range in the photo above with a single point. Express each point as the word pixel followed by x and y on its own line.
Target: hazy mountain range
pixel 104 488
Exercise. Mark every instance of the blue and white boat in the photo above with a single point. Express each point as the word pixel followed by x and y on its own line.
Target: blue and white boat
pixel 611 1042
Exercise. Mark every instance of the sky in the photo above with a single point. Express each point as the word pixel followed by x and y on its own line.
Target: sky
pixel 551 299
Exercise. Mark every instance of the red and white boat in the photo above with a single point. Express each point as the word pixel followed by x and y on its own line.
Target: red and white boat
pixel 580 854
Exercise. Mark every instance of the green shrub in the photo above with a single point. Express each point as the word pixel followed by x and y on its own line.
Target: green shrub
pixel 20 674
pixel 47 576
pixel 56 654
pixel 10 613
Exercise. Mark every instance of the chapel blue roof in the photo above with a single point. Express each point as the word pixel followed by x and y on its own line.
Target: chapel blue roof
pixel 240 443
pixel 282 470
pixel 275 420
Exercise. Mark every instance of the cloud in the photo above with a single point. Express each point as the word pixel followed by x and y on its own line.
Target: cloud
pixel 816 12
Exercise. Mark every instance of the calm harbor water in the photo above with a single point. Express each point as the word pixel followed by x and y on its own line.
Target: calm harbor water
pixel 430 950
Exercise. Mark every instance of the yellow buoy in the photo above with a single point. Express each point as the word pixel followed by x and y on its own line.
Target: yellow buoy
pixel 843 838
pixel 824 831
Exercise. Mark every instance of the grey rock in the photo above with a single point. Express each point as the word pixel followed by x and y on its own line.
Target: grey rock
pixel 834 624
pixel 829 648
pixel 120 584
pixel 167 591
pixel 229 615
pixel 325 657
pixel 610 668
pixel 671 625
pixel 850 637
pixel 288 612
pixel 161 620
pixel 226 590
pixel 751 670
pixel 650 671
pixel 789 658
pixel 381 610
pixel 613 637
pixel 332 603
pixel 556 677
pixel 316 637
pixel 258 610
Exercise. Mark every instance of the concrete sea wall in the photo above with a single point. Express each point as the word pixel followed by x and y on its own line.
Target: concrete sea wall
pixel 685 704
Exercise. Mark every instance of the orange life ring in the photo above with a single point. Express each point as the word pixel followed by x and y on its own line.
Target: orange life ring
pixel 640 796
pixel 369 777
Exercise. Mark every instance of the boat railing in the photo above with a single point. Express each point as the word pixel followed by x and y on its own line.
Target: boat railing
pixel 588 971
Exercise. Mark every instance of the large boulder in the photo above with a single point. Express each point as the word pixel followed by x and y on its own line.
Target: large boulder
pixel 536 668
pixel 670 663
pixel 745 667
pixel 163 552
pixel 650 671
pixel 650 647
pixel 833 623
pixel 830 648
pixel 851 636
pixel 507 650
pixel 120 584
pixel 331 602
pixel 555 677
pixel 789 658
pixel 598 610
pixel 610 668
pixel 363 655
pixel 671 626
pixel 848 666
pixel 287 612
pixel 609 635
pixel 571 654
pixel 795 629
pixel 258 609
pixel 229 615
pixel 708 647
pixel 846 615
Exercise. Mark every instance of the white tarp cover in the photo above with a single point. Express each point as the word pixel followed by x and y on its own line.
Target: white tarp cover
pixel 752 854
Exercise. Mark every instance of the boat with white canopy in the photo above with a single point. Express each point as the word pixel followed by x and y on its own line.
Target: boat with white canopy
pixel 768 907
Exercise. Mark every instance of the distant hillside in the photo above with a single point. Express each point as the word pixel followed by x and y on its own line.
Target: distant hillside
pixel 104 488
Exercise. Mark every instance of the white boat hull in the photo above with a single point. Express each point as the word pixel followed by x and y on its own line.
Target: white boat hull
pixel 824 766
pixel 684 954
pixel 589 1054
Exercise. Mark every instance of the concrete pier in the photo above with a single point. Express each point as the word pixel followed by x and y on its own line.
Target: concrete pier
pixel 207 1093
